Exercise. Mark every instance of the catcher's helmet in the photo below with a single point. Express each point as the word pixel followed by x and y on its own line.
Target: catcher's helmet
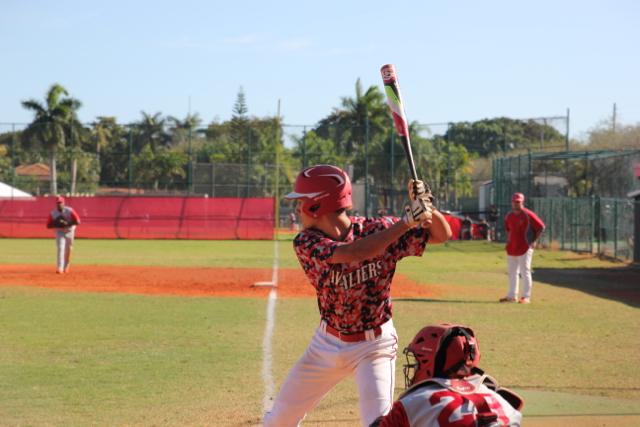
pixel 440 351
pixel 323 189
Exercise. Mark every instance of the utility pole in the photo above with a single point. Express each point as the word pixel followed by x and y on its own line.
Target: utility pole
pixel 366 166
pixel 130 157
pixel 566 136
pixel 448 147
pixel 277 177
pixel 613 119
pixel 304 147
pixel 248 177
pixel 190 165
pixel 14 157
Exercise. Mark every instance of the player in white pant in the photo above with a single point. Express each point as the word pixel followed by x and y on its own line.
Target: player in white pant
pixel 327 361
pixel 350 261
pixel 523 228
pixel 520 266
pixel 64 219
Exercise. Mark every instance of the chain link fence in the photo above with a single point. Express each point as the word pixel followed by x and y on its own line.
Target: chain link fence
pixel 603 226
pixel 261 158
pixel 615 229
pixel 581 196
pixel 566 174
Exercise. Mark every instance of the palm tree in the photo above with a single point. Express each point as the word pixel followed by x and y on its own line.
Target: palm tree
pixel 152 131
pixel 181 129
pixel 367 109
pixel 77 133
pixel 49 124
pixel 360 127
pixel 181 134
pixel 102 133
pixel 347 125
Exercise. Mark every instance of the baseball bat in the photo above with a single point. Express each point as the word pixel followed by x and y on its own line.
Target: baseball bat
pixel 394 99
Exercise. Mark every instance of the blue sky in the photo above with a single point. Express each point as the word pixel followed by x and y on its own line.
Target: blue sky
pixel 457 60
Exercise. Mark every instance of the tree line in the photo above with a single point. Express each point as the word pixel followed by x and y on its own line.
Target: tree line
pixel 159 152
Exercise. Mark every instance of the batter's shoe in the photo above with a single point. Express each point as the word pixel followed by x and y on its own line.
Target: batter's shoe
pixel 66 269
pixel 507 299
pixel 524 301
pixel 58 271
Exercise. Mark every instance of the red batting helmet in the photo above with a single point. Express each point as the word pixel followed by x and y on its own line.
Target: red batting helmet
pixel 441 351
pixel 323 189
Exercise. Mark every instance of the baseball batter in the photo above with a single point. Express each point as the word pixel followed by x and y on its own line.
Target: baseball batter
pixel 446 388
pixel 351 262
pixel 64 220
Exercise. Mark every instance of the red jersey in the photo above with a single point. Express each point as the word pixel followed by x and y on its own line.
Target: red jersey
pixel 353 297
pixel 522 227
pixel 449 402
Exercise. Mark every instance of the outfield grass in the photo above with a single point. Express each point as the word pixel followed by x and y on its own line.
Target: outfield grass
pixel 181 253
pixel 96 359
pixel 106 359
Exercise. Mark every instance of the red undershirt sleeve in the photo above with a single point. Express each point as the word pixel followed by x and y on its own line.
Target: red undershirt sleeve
pixel 397 417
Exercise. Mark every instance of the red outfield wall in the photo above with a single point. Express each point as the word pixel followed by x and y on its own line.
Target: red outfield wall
pixel 145 217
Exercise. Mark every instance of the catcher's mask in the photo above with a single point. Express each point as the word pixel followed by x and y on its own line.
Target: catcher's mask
pixel 322 189
pixel 445 351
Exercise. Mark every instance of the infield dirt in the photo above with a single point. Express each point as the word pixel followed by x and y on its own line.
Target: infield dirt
pixel 218 282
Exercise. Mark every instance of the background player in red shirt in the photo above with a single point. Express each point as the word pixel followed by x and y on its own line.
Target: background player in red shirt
pixel 64 219
pixel 350 261
pixel 523 229
pixel 445 387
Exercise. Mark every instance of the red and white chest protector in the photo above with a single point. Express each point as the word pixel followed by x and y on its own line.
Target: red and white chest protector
pixel 451 403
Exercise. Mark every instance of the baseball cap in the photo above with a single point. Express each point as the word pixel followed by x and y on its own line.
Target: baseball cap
pixel 59 199
pixel 517 197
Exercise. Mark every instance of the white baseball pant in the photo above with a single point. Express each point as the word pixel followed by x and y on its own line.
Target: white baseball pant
pixel 64 243
pixel 520 265
pixel 326 362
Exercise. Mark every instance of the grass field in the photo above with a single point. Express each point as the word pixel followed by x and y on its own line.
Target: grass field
pixel 77 358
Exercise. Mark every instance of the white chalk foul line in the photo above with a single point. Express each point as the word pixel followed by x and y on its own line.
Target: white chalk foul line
pixel 267 354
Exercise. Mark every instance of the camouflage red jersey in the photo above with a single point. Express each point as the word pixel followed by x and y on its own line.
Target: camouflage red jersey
pixel 354 297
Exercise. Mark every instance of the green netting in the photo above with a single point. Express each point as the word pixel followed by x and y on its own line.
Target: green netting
pixel 595 225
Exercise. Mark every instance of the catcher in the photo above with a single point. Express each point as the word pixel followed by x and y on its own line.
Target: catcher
pixel 64 220
pixel 445 387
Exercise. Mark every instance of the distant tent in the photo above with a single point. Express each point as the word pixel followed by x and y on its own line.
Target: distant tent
pixel 7 191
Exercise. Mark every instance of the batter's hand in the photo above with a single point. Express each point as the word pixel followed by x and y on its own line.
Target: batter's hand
pixel 418 212
pixel 418 190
